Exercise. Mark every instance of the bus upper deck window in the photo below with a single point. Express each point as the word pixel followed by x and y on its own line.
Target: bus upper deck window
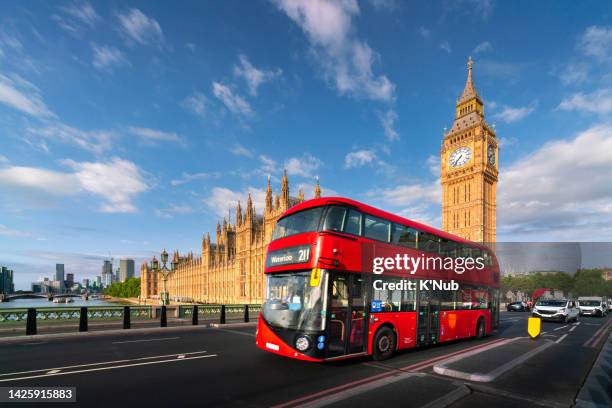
pixel 334 221
pixel 353 223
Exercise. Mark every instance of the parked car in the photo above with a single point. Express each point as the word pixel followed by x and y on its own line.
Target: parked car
pixel 592 306
pixel 563 310
pixel 517 307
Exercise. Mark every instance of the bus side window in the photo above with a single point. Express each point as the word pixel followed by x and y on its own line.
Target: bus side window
pixel 404 236
pixel 408 301
pixel 334 220
pixel 376 228
pixel 353 223
pixel 429 243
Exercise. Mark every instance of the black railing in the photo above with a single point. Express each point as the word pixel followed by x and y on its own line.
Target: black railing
pixel 33 316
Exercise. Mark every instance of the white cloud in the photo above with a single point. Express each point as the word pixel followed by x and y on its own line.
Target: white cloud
pixel 48 181
pixel 359 158
pixel 509 114
pixel 117 182
pixel 151 136
pixel 254 77
pixel 388 121
pixel 446 47
pixel 96 141
pixel 433 164
pixel 107 57
pixel 197 103
pixel 424 32
pixel 3 159
pixel 597 42
pixel 268 166
pixel 13 233
pixel 173 210
pixel 83 12
pixel 139 28
pixel 574 74
pixel 346 61
pixel 75 16
pixel 419 202
pixel 507 141
pixel 23 96
pixel 483 47
pixel 222 201
pixel 303 166
pixel 189 177
pixel 599 102
pixel 234 102
pixel 240 150
pixel 561 190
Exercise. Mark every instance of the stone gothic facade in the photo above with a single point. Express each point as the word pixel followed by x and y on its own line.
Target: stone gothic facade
pixel 230 270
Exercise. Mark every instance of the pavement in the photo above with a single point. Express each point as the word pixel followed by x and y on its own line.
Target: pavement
pixel 217 367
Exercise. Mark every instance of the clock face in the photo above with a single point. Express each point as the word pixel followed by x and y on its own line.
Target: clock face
pixel 460 157
pixel 491 154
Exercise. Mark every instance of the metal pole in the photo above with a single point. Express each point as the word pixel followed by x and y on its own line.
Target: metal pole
pixel 246 313
pixel 126 317
pixel 31 322
pixel 164 318
pixel 222 318
pixel 194 315
pixel 83 320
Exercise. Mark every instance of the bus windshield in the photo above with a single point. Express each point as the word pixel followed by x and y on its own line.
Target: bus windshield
pixel 292 303
pixel 303 221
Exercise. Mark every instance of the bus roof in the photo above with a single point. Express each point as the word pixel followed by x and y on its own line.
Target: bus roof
pixel 317 202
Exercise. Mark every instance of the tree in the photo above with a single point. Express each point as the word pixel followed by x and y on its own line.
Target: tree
pixel 589 282
pixel 129 288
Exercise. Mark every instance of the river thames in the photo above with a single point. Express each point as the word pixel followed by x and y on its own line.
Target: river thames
pixel 39 303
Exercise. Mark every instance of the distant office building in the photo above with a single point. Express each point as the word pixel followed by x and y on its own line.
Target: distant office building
pixel 59 272
pixel 6 280
pixel 98 281
pixel 126 269
pixel 606 274
pixel 57 286
pixel 107 274
pixel 37 287
pixel 69 280
pixel 85 283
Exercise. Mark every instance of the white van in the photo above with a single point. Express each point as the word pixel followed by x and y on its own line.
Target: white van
pixel 592 306
pixel 562 310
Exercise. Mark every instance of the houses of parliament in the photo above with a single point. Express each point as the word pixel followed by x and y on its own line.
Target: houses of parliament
pixel 230 269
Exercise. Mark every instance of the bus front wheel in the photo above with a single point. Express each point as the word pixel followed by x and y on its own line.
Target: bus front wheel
pixel 384 344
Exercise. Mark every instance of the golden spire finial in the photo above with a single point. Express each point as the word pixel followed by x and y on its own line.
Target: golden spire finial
pixel 470 63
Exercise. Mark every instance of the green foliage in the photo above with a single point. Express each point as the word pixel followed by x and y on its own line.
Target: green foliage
pixel 127 289
pixel 586 282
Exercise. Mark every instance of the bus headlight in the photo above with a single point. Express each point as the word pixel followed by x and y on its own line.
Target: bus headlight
pixel 302 343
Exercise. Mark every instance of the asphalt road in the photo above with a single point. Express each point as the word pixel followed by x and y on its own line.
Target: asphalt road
pixel 222 367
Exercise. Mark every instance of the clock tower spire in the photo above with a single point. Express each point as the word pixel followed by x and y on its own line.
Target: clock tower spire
pixel 469 169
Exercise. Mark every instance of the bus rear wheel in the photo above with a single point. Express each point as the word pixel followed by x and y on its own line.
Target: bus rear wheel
pixel 480 328
pixel 384 344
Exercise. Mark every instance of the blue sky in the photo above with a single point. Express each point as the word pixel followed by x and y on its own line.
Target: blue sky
pixel 127 127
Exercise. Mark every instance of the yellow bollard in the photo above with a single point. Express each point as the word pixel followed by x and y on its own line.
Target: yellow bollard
pixel 534 326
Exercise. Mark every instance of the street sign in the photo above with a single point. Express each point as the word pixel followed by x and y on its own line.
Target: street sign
pixel 534 326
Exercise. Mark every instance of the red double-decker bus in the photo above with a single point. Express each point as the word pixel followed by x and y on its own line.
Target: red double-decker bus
pixel 323 300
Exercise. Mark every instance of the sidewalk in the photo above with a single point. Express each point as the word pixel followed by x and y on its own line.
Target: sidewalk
pixel 597 389
pixel 114 332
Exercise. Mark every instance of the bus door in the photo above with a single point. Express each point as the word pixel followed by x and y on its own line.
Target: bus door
pixel 346 322
pixel 428 319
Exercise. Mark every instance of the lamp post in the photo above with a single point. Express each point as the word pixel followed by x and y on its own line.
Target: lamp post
pixel 165 272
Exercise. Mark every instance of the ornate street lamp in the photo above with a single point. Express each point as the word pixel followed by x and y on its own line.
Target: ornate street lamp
pixel 165 272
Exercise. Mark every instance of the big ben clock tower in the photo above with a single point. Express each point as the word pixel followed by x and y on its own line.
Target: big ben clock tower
pixel 469 163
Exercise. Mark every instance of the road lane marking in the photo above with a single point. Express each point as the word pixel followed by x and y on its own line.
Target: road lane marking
pixel 100 363
pixel 238 332
pixel 560 339
pixel 573 328
pixel 53 371
pixel 413 367
pixel 559 328
pixel 180 356
pixel 577 324
pixel 104 368
pixel 144 340
pixel 599 334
